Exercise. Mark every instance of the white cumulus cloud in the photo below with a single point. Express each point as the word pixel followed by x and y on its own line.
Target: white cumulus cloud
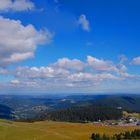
pixel 136 61
pixel 100 64
pixel 72 64
pixel 83 21
pixel 19 42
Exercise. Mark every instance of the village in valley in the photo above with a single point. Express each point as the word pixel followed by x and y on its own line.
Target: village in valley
pixel 128 119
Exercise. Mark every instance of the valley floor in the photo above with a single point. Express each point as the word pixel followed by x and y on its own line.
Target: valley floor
pixel 48 130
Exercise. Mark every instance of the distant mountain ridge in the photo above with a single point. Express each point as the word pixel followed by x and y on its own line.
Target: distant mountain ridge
pixel 6 112
pixel 129 103
pixel 92 108
pixel 25 107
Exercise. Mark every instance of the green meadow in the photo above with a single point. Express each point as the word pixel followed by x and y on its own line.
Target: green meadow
pixel 48 130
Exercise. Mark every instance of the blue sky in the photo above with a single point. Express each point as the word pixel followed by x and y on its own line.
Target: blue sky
pixel 69 46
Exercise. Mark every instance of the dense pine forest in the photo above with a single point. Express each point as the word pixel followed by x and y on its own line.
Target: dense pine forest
pixel 83 114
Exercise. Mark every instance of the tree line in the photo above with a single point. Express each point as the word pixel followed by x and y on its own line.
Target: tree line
pixel 135 134
pixel 83 114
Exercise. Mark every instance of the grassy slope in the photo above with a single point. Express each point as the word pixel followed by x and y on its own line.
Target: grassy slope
pixel 53 130
pixel 136 115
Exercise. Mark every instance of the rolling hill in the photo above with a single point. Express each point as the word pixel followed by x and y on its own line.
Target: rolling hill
pixel 126 102
pixel 6 112
pixel 48 130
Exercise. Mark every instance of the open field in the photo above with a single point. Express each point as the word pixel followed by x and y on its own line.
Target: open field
pixel 135 115
pixel 47 130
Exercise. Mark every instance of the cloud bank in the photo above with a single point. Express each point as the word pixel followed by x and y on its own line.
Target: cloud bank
pixel 16 5
pixel 71 74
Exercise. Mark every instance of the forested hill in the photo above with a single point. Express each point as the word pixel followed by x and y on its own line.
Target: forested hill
pixel 6 112
pixel 82 114
pixel 129 103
